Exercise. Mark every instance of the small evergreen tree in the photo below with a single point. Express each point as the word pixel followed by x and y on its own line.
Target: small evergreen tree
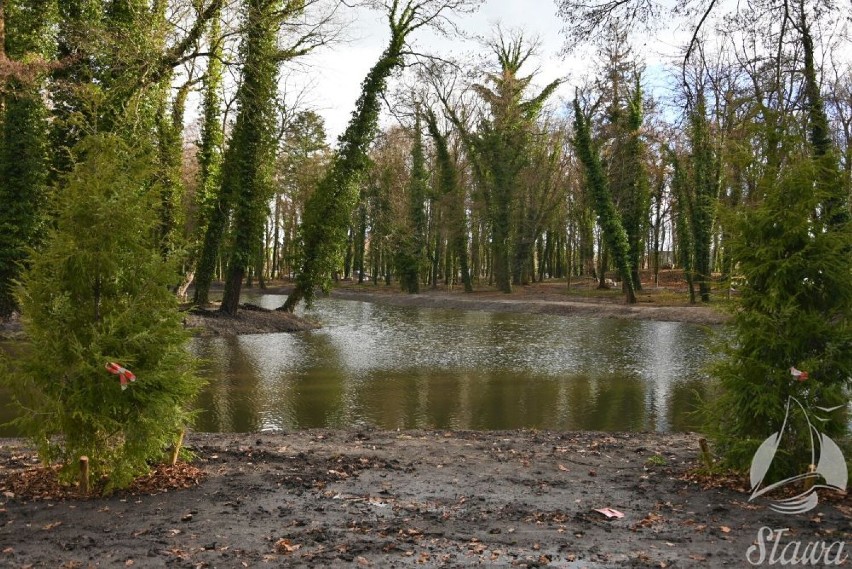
pixel 99 292
pixel 795 310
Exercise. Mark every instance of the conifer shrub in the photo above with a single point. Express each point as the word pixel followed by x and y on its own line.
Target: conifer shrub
pixel 794 311
pixel 98 292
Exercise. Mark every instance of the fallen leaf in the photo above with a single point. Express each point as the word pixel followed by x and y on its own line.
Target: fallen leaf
pixel 725 529
pixel 284 545
pixel 128 563
pixel 8 551
pixel 50 526
pixel 563 468
pixel 609 513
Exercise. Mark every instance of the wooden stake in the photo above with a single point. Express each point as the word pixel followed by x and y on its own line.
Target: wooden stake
pixel 84 475
pixel 705 453
pixel 176 449
pixel 808 482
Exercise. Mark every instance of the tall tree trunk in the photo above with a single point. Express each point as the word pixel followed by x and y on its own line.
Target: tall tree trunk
pixel 611 227
pixel 245 172
pixel 329 209
pixel 213 206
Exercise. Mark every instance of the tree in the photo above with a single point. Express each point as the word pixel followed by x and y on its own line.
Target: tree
pixel 210 149
pixel 705 189
pixel 303 157
pixel 795 310
pixel 796 305
pixel 608 217
pixel 636 195
pixel 450 185
pixel 327 214
pixel 411 254
pixel 247 167
pixel 246 172
pixel 501 146
pixel 24 27
pixel 98 296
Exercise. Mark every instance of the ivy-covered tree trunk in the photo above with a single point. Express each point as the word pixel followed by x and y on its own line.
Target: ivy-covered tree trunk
pixel 636 202
pixel 209 167
pixel 448 184
pixel 329 209
pixel 683 223
pixel 411 255
pixel 705 186
pixel 246 174
pixel 169 175
pixel 23 141
pixel 613 230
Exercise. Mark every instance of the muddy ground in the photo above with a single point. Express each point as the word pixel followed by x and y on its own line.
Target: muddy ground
pixel 540 300
pixel 411 499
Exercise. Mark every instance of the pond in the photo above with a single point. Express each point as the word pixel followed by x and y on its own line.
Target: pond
pixel 374 365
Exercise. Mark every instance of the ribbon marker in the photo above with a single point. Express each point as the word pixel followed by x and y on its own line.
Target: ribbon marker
pixel 799 375
pixel 125 375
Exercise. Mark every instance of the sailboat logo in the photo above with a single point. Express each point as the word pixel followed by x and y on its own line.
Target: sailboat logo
pixel 827 472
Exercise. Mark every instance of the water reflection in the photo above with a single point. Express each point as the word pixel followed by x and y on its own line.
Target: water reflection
pixel 401 367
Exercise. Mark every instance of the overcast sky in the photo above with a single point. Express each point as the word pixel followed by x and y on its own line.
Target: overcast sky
pixel 336 72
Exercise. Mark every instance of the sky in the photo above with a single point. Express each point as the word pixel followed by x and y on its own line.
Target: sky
pixel 336 72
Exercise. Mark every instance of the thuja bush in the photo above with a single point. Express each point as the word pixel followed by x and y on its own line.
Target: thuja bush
pixel 794 311
pixel 98 292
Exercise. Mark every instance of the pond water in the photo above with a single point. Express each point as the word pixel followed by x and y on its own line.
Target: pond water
pixel 402 367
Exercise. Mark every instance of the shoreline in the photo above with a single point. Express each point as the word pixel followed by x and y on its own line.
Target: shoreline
pixel 546 299
pixel 488 302
pixel 365 498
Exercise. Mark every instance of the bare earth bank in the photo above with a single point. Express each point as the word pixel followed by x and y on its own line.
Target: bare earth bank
pixel 412 499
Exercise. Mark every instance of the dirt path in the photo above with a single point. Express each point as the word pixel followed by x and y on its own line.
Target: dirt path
pixel 412 499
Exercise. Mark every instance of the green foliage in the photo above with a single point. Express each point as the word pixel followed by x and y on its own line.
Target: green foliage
pixel 328 211
pixel 683 220
pixel 411 256
pixel 636 200
pixel 23 171
pixel 608 216
pixel 99 292
pixel 249 159
pixel 795 310
pixel 210 149
pixel 502 146
pixel 448 184
pixel 705 189
pixel 23 143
